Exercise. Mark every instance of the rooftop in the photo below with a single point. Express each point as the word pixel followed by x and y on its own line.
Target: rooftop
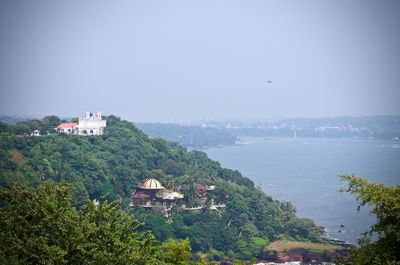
pixel 140 196
pixel 67 125
pixel 150 184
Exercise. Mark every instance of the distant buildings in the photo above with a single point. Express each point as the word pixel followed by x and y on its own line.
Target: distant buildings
pixel 90 124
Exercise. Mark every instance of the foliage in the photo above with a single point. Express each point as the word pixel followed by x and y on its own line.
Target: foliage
pixel 40 226
pixel 176 252
pixel 26 126
pixel 385 202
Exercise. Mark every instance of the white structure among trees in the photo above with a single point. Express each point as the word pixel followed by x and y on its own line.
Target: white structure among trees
pixel 91 124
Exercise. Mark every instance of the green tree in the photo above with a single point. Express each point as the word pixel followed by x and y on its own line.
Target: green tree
pixel 51 120
pixel 176 252
pixel 3 127
pixel 40 226
pixel 21 129
pixel 385 203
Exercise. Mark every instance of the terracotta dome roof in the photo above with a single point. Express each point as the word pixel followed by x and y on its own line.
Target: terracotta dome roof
pixel 151 184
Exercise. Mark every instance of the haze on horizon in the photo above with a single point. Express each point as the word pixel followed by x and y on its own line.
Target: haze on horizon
pixel 183 61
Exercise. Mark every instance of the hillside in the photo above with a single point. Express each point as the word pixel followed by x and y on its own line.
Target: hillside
pixel 376 127
pixel 114 163
pixel 212 133
pixel 189 136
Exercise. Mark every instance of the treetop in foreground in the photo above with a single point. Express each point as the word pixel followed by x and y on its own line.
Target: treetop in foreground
pixel 40 226
pixel 385 203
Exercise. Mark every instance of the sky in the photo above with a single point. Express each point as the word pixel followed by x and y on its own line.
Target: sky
pixel 182 61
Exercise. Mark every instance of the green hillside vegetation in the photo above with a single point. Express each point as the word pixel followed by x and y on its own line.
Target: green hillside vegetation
pixel 114 163
pixel 40 226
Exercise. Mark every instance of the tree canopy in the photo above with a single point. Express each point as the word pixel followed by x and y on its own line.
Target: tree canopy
pixel 385 202
pixel 40 226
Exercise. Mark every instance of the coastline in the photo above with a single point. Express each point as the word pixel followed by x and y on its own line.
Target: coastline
pixel 288 169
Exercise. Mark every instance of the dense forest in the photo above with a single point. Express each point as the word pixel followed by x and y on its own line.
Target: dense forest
pixel 112 165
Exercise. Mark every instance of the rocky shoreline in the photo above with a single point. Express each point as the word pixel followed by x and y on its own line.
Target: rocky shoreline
pixel 292 252
pixel 300 255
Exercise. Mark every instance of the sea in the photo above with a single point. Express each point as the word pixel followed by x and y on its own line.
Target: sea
pixel 305 172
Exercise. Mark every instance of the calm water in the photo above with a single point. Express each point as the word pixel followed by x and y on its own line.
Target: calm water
pixel 305 172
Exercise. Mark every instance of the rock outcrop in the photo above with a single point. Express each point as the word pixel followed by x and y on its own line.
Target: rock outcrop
pixel 299 254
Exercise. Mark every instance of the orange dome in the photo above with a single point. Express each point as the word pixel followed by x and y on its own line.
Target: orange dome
pixel 151 184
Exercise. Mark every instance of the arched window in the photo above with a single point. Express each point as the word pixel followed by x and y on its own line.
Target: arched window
pixel 84 132
pixel 91 132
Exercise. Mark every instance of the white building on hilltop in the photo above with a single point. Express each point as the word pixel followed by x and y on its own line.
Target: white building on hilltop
pixel 91 124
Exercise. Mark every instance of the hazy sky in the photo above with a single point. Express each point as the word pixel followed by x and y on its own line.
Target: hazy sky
pixel 193 60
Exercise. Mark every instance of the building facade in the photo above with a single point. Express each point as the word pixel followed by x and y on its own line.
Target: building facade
pixel 91 124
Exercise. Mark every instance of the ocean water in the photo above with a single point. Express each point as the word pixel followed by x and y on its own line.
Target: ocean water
pixel 305 172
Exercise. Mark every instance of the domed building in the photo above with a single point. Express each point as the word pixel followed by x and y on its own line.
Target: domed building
pixel 151 191
pixel 145 193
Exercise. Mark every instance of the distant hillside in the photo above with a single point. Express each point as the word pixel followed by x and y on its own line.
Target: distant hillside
pixel 114 163
pixel 213 133
pixel 227 133
pixel 380 127
pixel 189 136
pixel 13 119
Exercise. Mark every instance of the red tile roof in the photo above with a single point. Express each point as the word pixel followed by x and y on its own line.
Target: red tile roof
pixel 67 125
pixel 140 196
